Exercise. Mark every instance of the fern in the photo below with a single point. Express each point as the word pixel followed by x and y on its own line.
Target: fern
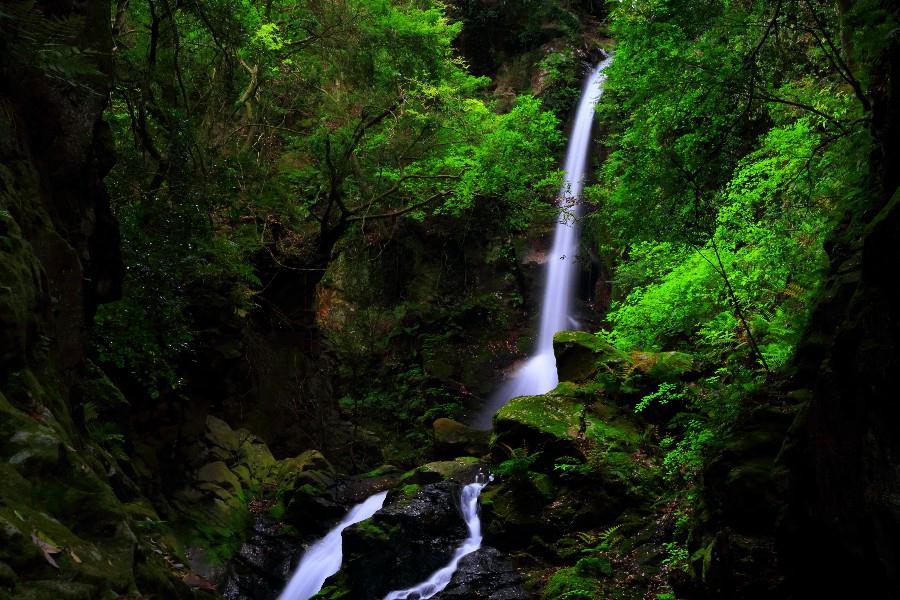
pixel 608 534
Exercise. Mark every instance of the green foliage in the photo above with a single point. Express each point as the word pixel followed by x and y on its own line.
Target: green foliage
pixel 728 158
pixel 30 39
pixel 259 141
pixel 676 556
pixel 518 465
pixel 667 392
pixel 571 466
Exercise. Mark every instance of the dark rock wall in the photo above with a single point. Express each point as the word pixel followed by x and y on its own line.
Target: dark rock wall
pixel 55 150
pixel 841 532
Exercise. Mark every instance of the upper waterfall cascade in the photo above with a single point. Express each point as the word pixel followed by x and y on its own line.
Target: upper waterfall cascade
pixel 538 374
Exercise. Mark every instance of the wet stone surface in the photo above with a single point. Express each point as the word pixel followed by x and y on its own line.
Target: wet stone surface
pixel 485 573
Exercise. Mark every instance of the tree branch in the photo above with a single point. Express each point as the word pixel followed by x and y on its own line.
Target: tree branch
pixel 403 211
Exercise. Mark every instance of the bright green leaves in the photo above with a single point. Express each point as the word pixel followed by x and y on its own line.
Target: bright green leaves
pixel 515 160
pixel 268 37
pixel 733 152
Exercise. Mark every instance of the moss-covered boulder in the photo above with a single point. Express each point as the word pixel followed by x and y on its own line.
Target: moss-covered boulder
pixel 551 422
pixel 583 357
pixel 461 470
pixel 452 438
pixel 580 355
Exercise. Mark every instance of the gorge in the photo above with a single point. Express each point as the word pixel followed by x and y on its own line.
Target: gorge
pixel 263 266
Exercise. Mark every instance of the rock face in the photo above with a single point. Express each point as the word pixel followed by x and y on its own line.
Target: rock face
pixel 452 439
pixel 844 515
pixel 485 573
pixel 72 517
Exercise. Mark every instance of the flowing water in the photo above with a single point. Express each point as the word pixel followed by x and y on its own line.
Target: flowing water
pixel 323 559
pixel 538 374
pixel 440 578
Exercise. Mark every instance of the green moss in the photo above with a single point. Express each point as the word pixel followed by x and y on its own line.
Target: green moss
pixel 373 532
pixel 594 566
pixel 277 511
pixel 410 489
pixel 570 584
pixel 549 414
pixel 381 471
pixel 617 433
pixel 543 485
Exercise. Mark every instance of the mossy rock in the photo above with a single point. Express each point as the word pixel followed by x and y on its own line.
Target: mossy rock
pixel 313 460
pixel 512 511
pixel 56 590
pixel 553 424
pixel 594 566
pixel 538 419
pixel 8 577
pixel 462 470
pixel 382 471
pixel 581 355
pixel 220 434
pixel 452 438
pixel 257 457
pixel 34 451
pixel 662 366
pixel 219 474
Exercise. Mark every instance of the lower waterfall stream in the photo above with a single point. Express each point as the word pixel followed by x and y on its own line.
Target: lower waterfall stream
pixel 440 578
pixel 323 559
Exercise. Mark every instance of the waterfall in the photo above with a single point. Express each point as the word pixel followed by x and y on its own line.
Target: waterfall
pixel 323 559
pixel 440 578
pixel 538 374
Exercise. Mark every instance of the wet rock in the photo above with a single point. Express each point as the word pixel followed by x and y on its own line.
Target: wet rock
pixel 462 470
pixel 452 438
pixel 485 573
pixel 403 543
pixel 261 567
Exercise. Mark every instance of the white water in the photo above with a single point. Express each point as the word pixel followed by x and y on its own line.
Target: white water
pixel 440 578
pixel 323 559
pixel 538 374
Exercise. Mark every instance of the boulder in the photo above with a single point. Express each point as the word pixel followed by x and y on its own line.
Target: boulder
pixel 221 435
pixel 485 573
pixel 452 438
pixel 403 543
pixel 581 355
pixel 462 470
pixel 551 422
pixel 219 474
